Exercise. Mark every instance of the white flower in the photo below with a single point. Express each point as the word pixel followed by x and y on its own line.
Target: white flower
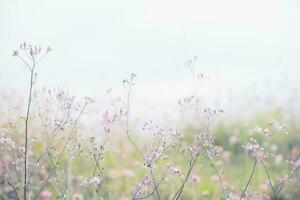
pixel 257 129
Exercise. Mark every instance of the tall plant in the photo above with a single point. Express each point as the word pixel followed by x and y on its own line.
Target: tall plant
pixel 31 56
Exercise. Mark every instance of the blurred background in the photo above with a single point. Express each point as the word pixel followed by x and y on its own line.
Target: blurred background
pixel 250 49
pixel 246 53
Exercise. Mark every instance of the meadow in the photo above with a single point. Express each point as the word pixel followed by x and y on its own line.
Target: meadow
pixel 48 153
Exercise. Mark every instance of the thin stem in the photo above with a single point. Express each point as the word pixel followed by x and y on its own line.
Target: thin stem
pixel 250 178
pixel 280 189
pixel 219 175
pixel 27 65
pixel 25 185
pixel 155 184
pixel 269 179
pixel 10 181
pixel 147 196
pixel 126 128
pixel 178 193
pixel 62 152
pixel 97 159
pixel 41 58
pixel 97 165
pixel 31 68
pixel 137 191
pixel 14 188
pixel 69 177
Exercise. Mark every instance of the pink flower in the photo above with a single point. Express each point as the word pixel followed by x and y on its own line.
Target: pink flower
pixel 78 197
pixel 283 180
pixel 257 150
pixel 267 133
pixel 195 179
pixel 45 195
pixel 226 155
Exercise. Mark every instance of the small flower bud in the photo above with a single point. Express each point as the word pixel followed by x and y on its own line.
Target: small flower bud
pixel 48 49
pixel 15 53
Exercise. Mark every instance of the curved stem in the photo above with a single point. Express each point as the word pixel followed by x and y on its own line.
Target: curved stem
pixel 280 189
pixel 178 193
pixel 26 64
pixel 250 178
pixel 155 184
pixel 147 196
pixel 219 176
pixel 269 179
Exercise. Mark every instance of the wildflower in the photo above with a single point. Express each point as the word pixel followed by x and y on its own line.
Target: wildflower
pixel 92 181
pixel 33 139
pixel 6 141
pixel 34 50
pixel 175 171
pixel 31 50
pixel 106 129
pixel 257 196
pixel 12 194
pixel 195 179
pixel 226 155
pixel 257 150
pixel 283 180
pixel 267 133
pixel 15 53
pixel 296 151
pixel 78 196
pixel 280 128
pixel 48 49
pixel 257 129
pixel 297 163
pixel 266 197
pixel 146 181
pixel 45 195
pixel 5 160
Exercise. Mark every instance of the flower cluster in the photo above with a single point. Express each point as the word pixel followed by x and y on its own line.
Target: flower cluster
pixel 62 164
pixel 91 181
pixel 258 151
pixel 30 50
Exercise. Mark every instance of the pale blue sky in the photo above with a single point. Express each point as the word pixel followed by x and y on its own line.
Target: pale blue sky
pixel 96 42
